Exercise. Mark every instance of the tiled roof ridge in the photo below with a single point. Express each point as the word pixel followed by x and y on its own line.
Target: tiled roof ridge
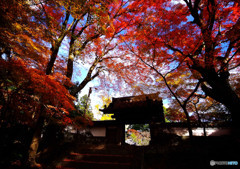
pixel 138 97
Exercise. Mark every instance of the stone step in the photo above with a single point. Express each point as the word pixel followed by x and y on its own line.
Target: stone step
pixel 92 164
pixel 102 149
pixel 101 157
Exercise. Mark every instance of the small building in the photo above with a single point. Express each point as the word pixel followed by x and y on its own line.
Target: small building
pixel 140 109
pixel 136 109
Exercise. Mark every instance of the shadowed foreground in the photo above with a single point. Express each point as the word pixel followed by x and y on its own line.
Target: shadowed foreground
pixel 188 154
pixel 181 153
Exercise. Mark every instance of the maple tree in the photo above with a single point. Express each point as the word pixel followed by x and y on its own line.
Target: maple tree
pixel 91 29
pixel 201 37
pixel 90 34
pixel 121 42
pixel 32 34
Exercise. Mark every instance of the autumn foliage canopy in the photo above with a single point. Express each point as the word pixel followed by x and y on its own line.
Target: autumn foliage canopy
pixel 141 44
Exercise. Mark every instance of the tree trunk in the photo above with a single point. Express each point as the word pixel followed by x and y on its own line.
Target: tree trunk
pixel 200 121
pixel 53 58
pixel 188 122
pixel 70 66
pixel 233 105
pixel 40 122
pixel 3 110
pixel 36 139
pixel 221 91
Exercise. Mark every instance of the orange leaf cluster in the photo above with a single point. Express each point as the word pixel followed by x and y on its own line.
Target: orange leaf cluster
pixel 25 89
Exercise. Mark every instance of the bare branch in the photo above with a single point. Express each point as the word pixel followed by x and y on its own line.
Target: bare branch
pixel 87 79
pixel 174 49
pixel 192 93
pixel 227 63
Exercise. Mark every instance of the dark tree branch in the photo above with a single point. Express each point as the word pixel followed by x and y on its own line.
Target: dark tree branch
pixel 212 14
pixel 64 24
pixel 193 92
pixel 71 58
pixel 227 63
pixel 55 49
pixel 87 79
pixel 174 49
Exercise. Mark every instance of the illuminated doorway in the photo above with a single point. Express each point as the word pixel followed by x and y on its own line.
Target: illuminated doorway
pixel 137 134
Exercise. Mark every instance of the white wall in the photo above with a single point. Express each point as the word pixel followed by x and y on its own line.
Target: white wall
pixel 199 131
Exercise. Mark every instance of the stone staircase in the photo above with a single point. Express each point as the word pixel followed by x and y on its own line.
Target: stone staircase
pixel 115 157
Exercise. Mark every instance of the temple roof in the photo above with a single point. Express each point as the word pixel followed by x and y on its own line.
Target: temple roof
pixel 139 102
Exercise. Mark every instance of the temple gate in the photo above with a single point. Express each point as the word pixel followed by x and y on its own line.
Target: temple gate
pixel 140 109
